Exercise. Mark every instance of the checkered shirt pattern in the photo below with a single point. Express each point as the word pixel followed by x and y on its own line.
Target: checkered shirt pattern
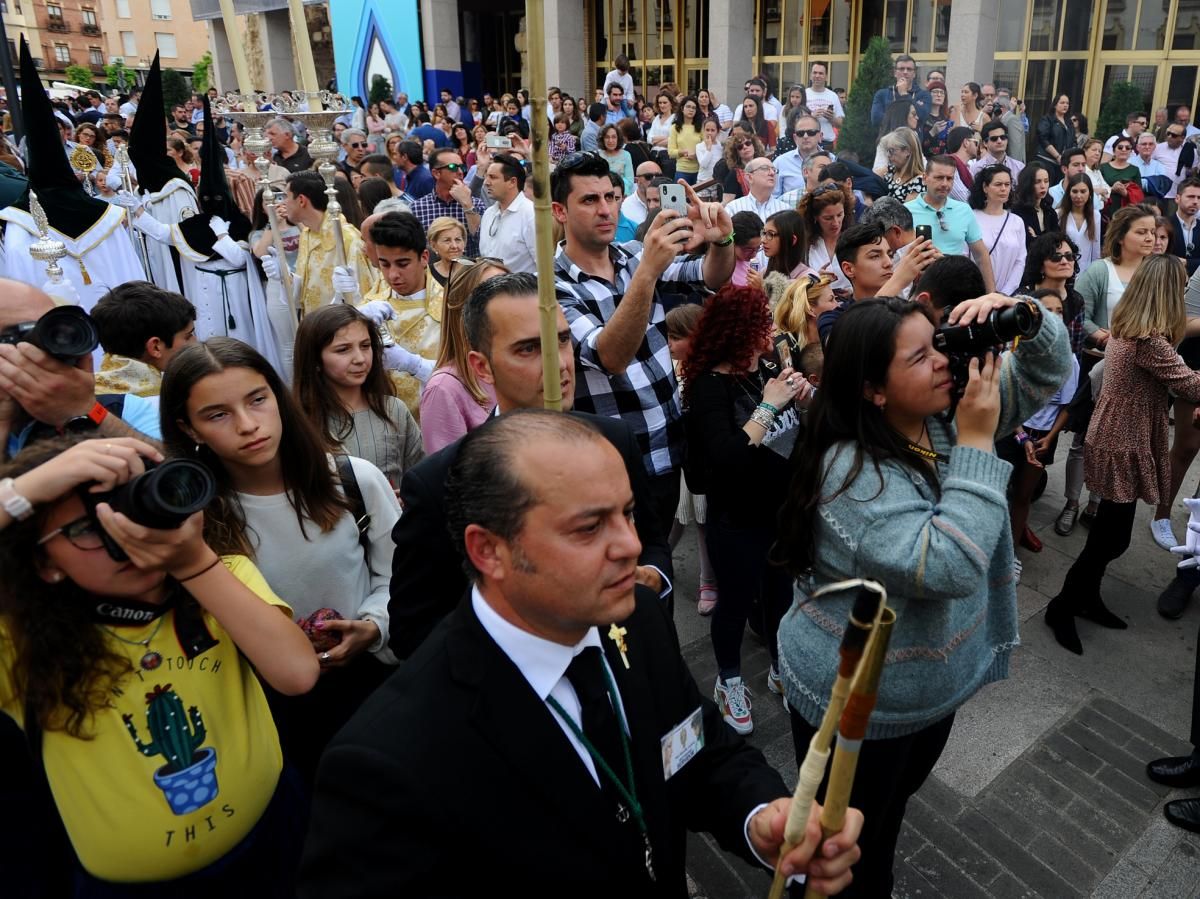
pixel 431 206
pixel 644 395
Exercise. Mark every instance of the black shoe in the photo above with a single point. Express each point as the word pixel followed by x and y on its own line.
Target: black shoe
pixel 1095 610
pixel 1062 622
pixel 1175 771
pixel 1174 600
pixel 1184 813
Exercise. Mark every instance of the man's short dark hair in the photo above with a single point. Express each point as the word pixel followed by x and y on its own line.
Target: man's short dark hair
pixel 1134 116
pixel 1189 182
pixel 511 167
pixel 593 166
pixel 836 171
pixel 890 213
pixel 617 85
pixel 476 324
pixel 483 487
pixel 1068 155
pixel 436 156
pixel 746 226
pixel 855 238
pixel 412 151
pixel 596 112
pixel 131 313
pixel 956 137
pixel 311 185
pixel 617 181
pixel 376 164
pixel 950 280
pixel 989 127
pixel 399 230
pixel 943 160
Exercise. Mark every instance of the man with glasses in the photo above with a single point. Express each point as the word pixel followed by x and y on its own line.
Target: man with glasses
pixel 994 138
pixel 1135 124
pixel 1177 156
pixel 1185 242
pixel 507 232
pixel 955 229
pixel 610 296
pixel 790 165
pixel 451 197
pixel 904 89
pixel 1013 122
pixel 1156 184
pixel 962 145
pixel 635 207
pixel 354 142
pixel 761 175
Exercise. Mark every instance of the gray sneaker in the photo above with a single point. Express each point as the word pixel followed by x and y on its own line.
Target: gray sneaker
pixel 1065 523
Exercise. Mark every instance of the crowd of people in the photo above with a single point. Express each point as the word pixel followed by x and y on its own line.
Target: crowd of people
pixel 272 409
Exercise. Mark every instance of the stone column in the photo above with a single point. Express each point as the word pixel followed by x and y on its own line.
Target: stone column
pixel 223 76
pixel 972 43
pixel 439 43
pixel 731 48
pixel 280 70
pixel 566 61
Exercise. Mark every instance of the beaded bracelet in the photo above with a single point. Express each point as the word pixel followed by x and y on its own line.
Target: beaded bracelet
pixel 764 418
pixel 765 405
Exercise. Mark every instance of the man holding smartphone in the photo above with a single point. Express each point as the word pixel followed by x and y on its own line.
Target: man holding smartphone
pixel 610 297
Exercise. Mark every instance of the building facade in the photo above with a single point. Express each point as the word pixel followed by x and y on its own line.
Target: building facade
pixel 60 33
pixel 20 22
pixel 135 29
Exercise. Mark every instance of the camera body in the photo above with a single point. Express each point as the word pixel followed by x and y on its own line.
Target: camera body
pixel 65 332
pixel 962 343
pixel 164 496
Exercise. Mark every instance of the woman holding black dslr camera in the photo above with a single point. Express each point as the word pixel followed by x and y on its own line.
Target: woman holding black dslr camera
pixel 136 685
pixel 886 487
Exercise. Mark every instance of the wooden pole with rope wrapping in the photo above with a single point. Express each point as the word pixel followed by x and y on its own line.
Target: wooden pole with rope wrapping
pixel 868 606
pixel 535 32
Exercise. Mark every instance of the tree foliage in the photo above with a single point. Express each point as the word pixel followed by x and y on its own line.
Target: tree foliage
pixel 119 76
pixel 381 89
pixel 80 76
pixel 174 88
pixel 202 73
pixel 1120 99
pixel 874 73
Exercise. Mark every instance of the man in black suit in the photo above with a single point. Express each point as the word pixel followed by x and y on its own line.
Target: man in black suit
pixel 527 737
pixel 502 324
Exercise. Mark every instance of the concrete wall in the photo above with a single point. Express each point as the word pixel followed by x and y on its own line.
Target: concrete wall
pixel 731 48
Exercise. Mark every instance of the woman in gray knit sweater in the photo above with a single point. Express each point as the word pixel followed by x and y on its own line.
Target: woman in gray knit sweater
pixel 885 487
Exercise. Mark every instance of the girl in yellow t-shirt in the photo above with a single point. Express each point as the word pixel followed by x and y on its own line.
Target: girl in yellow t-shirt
pixel 136 686
pixel 685 135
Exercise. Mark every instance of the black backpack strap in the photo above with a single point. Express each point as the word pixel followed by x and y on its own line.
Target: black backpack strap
pixel 358 508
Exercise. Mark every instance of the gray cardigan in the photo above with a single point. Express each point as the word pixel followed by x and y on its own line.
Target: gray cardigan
pixel 1093 287
pixel 946 562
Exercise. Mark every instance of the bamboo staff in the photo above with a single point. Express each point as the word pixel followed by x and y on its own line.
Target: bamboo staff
pixel 867 608
pixel 853 729
pixel 121 158
pixel 535 30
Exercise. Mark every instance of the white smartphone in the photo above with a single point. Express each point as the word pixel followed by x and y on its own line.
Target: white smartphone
pixel 674 197
pixel 497 142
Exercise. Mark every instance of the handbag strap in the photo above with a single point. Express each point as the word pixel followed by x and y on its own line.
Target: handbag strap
pixel 999 233
pixel 358 507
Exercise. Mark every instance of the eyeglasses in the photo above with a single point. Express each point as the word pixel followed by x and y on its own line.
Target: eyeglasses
pixel 1063 257
pixel 995 137
pixel 360 145
pixel 941 217
pixel 452 166
pixel 768 235
pixel 82 533
pixel 805 132
pixel 763 168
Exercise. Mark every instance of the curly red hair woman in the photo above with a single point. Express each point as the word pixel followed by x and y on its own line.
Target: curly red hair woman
pixel 742 421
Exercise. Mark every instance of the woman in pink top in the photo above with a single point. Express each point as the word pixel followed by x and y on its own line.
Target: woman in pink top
pixel 453 400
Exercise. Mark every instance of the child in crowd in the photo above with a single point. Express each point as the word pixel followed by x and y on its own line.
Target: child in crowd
pixel 148 763
pixel 340 381
pixel 141 327
pixel 681 324
pixel 562 142
pixel 810 363
pixel 319 532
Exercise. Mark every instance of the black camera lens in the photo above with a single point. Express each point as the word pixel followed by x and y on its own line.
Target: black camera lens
pixel 65 332
pixel 1000 327
pixel 166 495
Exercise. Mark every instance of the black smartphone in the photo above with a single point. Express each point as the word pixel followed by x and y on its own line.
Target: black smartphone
pixel 925 231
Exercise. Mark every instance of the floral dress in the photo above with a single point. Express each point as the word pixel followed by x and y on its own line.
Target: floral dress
pixel 900 190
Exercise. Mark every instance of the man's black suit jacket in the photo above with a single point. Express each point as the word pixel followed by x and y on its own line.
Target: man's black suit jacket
pixel 455 777
pixel 427 572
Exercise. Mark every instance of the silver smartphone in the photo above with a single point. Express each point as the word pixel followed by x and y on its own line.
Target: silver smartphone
pixel 674 197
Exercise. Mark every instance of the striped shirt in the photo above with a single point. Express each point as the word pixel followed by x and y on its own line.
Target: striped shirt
pixel 644 395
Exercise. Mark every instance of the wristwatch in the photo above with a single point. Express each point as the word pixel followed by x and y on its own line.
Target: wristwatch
pixel 85 423
pixel 12 502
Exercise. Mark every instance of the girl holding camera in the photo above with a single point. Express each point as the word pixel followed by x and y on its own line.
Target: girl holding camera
pixel 292 509
pixel 1127 450
pixel 149 751
pixel 886 487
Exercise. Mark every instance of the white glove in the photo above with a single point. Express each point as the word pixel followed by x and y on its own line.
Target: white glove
pixel 344 283
pixel 113 180
pixel 400 359
pixel 219 226
pixel 229 250
pixel 128 200
pixel 63 292
pixel 271 266
pixel 1191 541
pixel 151 227
pixel 378 311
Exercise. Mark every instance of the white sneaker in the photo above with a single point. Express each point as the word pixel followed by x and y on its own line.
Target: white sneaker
pixel 1163 535
pixel 733 697
pixel 1017 569
pixel 774 682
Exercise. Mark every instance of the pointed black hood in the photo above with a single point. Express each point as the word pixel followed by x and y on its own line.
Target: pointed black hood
pixel 68 207
pixel 148 137
pixel 213 193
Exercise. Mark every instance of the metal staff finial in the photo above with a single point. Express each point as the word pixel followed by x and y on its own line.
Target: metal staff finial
pixel 46 249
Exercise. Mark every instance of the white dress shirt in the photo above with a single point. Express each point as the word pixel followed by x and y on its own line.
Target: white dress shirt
pixel 634 209
pixel 509 234
pixel 763 210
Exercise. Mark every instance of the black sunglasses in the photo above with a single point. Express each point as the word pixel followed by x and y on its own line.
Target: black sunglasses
pixel 358 145
pixel 992 137
pixel 1062 257
pixel 1174 134
pixel 804 132
pixel 452 166
pixel 941 217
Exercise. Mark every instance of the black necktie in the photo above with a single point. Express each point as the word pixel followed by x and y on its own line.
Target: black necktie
pixel 600 725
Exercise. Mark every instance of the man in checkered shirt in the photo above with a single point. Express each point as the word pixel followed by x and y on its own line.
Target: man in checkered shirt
pixel 610 295
pixel 451 197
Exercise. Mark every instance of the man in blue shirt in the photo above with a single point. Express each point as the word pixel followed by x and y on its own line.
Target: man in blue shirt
pixel 418 180
pixel 589 141
pixel 425 131
pixel 617 107
pixel 955 230
pixel 904 89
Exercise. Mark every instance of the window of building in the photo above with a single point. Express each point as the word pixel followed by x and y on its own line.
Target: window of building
pixel 89 18
pixel 62 53
pixel 54 11
pixel 95 56
pixel 160 9
pixel 123 9
pixel 128 44
pixel 12 49
pixel 165 43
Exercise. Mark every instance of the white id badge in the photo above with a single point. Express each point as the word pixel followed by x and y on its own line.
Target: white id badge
pixel 681 743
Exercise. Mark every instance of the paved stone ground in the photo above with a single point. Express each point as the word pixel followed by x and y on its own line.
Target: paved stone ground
pixel 1041 791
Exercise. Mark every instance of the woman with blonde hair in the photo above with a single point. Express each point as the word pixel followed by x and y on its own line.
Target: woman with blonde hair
pixel 1127 449
pixel 454 401
pixel 448 239
pixel 904 173
pixel 798 309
